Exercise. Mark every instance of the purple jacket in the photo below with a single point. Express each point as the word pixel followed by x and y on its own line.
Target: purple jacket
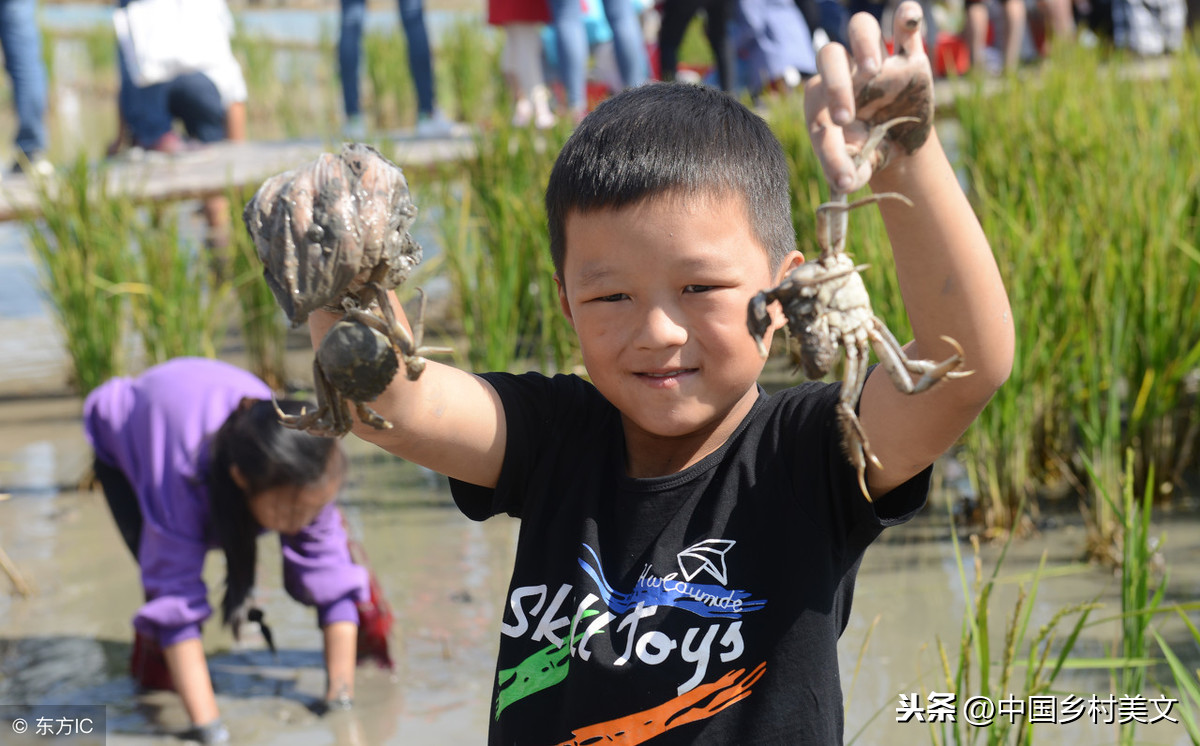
pixel 154 428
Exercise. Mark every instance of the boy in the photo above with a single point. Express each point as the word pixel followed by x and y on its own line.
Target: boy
pixel 689 545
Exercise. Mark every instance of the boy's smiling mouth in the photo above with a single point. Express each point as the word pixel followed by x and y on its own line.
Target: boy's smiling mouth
pixel 665 377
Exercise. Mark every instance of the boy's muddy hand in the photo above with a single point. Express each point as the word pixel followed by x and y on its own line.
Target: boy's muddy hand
pixel 857 90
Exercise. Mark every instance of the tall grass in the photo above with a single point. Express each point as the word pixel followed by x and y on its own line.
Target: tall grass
pixel 1138 601
pixel 1188 681
pixel 81 243
pixel 111 267
pixel 389 94
pixel 1028 663
pixel 1084 184
pixel 263 324
pixel 177 300
pixel 498 253
pixel 470 84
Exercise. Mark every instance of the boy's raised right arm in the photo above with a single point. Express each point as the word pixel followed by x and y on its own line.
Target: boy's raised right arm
pixel 448 420
pixel 949 280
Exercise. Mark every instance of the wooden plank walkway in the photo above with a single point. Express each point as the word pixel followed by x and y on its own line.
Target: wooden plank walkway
pixel 219 166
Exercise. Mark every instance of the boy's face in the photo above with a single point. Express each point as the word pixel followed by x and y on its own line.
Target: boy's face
pixel 657 293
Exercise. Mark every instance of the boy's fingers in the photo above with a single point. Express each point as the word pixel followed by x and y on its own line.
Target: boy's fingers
pixel 833 68
pixel 828 138
pixel 907 29
pixel 866 44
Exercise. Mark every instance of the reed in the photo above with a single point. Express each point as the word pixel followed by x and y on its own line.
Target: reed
pixel 81 244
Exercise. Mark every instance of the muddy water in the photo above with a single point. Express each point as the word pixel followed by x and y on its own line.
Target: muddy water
pixel 445 576
pixel 69 643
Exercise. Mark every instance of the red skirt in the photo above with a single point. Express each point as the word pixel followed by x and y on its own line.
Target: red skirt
pixel 501 12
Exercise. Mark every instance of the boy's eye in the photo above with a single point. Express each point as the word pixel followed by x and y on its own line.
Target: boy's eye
pixel 612 298
pixel 699 288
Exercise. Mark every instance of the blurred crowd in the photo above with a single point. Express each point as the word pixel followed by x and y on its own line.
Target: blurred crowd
pixel 182 87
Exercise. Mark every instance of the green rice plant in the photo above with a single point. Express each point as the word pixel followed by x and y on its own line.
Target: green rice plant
pixel 1138 603
pixel 470 84
pixel 390 96
pixel 1028 664
pixel 263 324
pixel 81 238
pixel 263 87
pixel 1188 682
pixel 1141 602
pixel 497 252
pixel 1082 181
pixel 101 49
pixel 176 300
pixel 274 72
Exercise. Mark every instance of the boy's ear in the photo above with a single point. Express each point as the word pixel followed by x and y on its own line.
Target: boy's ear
pixel 791 261
pixel 562 299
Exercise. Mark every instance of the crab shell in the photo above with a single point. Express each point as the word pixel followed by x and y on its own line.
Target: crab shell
pixel 357 360
pixel 325 228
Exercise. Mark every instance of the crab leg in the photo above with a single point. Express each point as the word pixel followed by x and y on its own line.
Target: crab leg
pixel 854 438
pixel 831 231
pixel 901 368
pixel 371 417
pixel 408 345
pixel 314 421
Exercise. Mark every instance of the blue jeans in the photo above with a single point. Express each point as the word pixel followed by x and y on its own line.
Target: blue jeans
pixel 573 46
pixel 420 64
pixel 149 111
pixel 22 44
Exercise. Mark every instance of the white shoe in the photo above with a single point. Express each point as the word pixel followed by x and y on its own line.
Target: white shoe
pixel 543 117
pixel 355 128
pixel 522 113
pixel 437 125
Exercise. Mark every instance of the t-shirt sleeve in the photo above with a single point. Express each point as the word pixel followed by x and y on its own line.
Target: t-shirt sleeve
pixel 177 599
pixel 826 480
pixel 318 570
pixel 536 411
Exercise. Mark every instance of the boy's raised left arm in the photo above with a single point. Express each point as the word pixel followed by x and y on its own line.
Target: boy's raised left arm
pixel 948 277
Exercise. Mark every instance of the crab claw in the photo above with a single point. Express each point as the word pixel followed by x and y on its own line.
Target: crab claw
pixel 758 320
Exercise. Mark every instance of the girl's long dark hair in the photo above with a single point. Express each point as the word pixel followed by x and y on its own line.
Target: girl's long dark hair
pixel 268 455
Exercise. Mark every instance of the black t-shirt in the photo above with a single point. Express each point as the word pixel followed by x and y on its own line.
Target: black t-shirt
pixel 699 607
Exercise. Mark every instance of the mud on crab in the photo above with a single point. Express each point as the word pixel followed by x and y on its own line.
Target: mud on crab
pixel 826 305
pixel 334 234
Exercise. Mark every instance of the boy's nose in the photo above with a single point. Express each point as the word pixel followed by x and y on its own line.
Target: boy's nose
pixel 660 328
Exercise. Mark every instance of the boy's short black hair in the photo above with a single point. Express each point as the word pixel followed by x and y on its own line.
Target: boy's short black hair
pixel 663 138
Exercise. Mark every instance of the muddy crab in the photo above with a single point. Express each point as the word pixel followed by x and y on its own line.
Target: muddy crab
pixel 334 234
pixel 826 305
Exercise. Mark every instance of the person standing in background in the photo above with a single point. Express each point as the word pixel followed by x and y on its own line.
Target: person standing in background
pixel 430 122
pixel 677 14
pixel 522 59
pixel 571 33
pixel 22 44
